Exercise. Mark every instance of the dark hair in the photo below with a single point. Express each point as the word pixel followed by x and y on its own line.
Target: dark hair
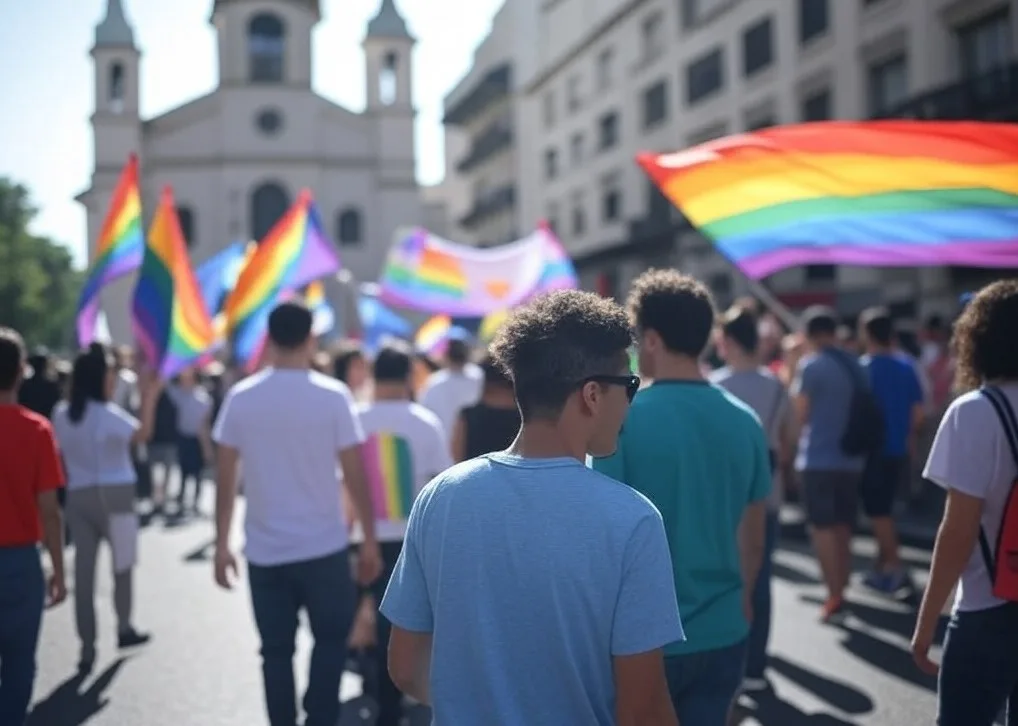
pixel 12 358
pixel 740 326
pixel 878 324
pixel 345 353
pixel 290 325
pixel 550 346
pixel 393 362
pixel 819 320
pixel 494 375
pixel 88 380
pixel 458 352
pixel 984 337
pixel 677 307
pixel 935 323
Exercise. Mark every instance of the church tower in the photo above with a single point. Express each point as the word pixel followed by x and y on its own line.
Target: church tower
pixel 116 120
pixel 265 43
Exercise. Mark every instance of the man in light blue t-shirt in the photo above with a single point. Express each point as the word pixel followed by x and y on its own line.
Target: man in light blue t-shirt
pixel 532 591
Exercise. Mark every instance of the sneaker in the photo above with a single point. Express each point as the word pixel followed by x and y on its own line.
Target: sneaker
pixel 131 638
pixel 877 581
pixel 754 685
pixel 832 609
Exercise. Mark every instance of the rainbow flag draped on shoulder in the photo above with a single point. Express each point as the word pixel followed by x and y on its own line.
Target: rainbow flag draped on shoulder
pixel 888 193
pixel 119 249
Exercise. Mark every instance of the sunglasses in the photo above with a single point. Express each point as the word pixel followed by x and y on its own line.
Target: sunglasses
pixel 630 383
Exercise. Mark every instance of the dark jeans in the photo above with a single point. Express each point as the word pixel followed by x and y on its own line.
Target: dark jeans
pixel 324 589
pixel 389 698
pixel 760 630
pixel 192 462
pixel 979 668
pixel 22 597
pixel 704 685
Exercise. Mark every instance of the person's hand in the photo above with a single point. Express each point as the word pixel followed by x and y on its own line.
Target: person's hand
pixel 56 590
pixel 369 563
pixel 921 644
pixel 226 568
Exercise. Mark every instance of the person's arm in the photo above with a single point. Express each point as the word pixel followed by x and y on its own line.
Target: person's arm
pixel 227 435
pixel 918 417
pixel 753 525
pixel 51 478
pixel 151 388
pixel 459 439
pixel 349 437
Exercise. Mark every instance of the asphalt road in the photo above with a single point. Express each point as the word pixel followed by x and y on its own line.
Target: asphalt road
pixel 202 667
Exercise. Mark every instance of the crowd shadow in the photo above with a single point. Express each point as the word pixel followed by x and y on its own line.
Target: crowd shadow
pixel 68 705
pixel 200 553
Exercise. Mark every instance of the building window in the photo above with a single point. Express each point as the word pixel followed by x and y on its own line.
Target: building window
pixel 576 149
pixel 573 99
pixel 269 121
pixel 266 46
pixel 986 44
pixel 579 216
pixel 705 76
pixel 550 163
pixel 608 130
pixel 887 85
pixel 813 19
pixel 651 37
pixel 659 208
pixel 549 109
pixel 817 106
pixel 655 104
pixel 761 122
pixel 116 92
pixel 605 67
pixel 269 203
pixel 758 47
pixel 349 228
pixel 185 216
pixel 821 273
pixel 388 79
pixel 611 199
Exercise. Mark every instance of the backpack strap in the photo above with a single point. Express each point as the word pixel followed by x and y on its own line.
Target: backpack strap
pixel 1009 422
pixel 854 371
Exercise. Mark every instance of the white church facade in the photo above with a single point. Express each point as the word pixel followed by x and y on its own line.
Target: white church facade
pixel 237 157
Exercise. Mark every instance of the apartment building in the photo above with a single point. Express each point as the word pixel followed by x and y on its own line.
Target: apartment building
pixel 615 77
pixel 485 108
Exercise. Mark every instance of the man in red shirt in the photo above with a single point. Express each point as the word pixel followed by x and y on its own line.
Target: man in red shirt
pixel 30 475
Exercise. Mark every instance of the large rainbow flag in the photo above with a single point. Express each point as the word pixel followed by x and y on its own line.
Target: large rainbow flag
pixel 295 253
pixel 119 248
pixel 888 193
pixel 170 321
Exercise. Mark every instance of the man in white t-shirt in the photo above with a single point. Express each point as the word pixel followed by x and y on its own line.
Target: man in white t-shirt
pixel 286 426
pixel 405 448
pixel 455 387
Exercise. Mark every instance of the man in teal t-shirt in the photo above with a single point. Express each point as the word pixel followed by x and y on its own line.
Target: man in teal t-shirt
pixel 701 456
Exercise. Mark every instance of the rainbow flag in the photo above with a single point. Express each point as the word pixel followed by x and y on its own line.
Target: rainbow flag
pixel 433 336
pixel 890 193
pixel 294 253
pixel 389 470
pixel 118 251
pixel 170 321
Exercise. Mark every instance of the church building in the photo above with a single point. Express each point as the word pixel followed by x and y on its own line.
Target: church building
pixel 238 156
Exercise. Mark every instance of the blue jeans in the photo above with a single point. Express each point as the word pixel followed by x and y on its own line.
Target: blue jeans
pixel 979 668
pixel 760 631
pixel 324 589
pixel 704 685
pixel 22 597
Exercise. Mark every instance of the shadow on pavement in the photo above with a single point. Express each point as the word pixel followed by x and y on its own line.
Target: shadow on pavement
pixel 772 711
pixel 362 711
pixel 842 696
pixel 67 705
pixel 200 554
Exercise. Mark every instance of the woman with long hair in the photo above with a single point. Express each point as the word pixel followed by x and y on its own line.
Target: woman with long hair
pixel 492 423
pixel 975 458
pixel 95 437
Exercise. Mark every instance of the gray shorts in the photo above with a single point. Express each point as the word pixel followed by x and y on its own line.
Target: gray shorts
pixel 831 497
pixel 162 454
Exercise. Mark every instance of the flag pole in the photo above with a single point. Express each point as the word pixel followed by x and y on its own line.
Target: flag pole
pixel 758 290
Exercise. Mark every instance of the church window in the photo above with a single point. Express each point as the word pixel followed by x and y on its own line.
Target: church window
pixel 266 46
pixel 269 121
pixel 269 203
pixel 185 215
pixel 117 87
pixel 387 79
pixel 348 227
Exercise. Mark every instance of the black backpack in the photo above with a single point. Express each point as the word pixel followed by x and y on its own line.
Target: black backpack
pixel 864 430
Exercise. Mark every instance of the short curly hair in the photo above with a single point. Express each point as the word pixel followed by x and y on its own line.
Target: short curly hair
pixel 984 339
pixel 554 343
pixel 677 307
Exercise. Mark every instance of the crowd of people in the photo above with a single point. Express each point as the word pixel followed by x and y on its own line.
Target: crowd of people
pixel 540 534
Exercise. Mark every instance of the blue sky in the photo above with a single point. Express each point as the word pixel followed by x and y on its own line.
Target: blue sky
pixel 47 84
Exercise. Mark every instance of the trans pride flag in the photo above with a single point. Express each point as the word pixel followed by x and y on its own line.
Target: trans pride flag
pixel 888 193
pixel 170 321
pixel 119 249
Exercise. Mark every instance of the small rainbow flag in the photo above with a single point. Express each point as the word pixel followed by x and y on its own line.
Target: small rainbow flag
pixel 892 193
pixel 389 470
pixel 170 321
pixel 433 336
pixel 118 251
pixel 490 325
pixel 294 253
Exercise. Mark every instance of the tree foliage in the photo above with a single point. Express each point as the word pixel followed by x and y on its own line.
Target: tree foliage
pixel 39 286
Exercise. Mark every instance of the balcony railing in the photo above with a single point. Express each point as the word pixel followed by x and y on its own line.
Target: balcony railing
pixel 488 205
pixel 495 85
pixel 492 141
pixel 991 96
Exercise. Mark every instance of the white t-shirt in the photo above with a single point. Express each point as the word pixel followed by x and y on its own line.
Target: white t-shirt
pixel 971 454
pixel 289 427
pixel 447 392
pixel 96 449
pixel 405 448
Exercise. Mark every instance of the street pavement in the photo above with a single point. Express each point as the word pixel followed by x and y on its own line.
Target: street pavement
pixel 202 666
